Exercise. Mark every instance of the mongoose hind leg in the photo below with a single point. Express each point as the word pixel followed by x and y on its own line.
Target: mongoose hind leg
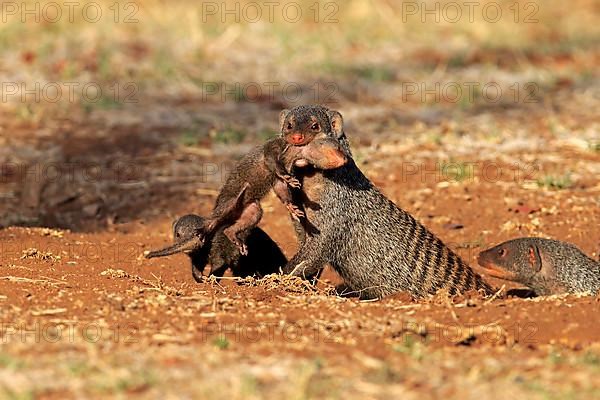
pixel 224 212
pixel 249 218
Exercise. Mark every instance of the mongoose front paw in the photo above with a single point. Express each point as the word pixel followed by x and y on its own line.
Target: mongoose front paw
pixel 296 212
pixel 197 275
pixel 291 181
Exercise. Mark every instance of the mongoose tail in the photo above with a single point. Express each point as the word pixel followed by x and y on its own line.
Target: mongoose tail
pixel 185 246
pixel 545 265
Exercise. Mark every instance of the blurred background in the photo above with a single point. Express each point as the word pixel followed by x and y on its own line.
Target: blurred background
pixel 116 111
pixel 480 118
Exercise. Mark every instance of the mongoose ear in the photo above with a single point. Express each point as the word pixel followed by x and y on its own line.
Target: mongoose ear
pixel 337 123
pixel 282 115
pixel 535 260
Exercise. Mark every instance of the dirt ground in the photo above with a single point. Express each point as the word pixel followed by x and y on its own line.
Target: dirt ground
pixel 86 188
pixel 84 314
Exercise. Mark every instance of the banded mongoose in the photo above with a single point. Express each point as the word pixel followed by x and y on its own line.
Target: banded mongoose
pixel 267 167
pixel 375 246
pixel 545 265
pixel 264 257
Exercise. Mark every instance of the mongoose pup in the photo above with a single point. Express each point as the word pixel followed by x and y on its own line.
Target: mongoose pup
pixel 547 266
pixel 264 257
pixel 375 246
pixel 256 170
pixel 304 141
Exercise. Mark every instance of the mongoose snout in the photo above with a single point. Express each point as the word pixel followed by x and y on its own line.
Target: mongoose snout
pixel 489 262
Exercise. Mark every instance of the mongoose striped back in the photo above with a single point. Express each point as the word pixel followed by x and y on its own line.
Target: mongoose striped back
pixel 376 247
pixel 437 267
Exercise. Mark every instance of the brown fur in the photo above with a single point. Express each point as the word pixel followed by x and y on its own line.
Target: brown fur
pixel 305 141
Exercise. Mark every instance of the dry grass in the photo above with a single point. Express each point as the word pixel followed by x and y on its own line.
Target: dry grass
pixel 157 284
pixel 173 370
pixel 292 284
pixel 175 48
pixel 46 281
pixel 377 350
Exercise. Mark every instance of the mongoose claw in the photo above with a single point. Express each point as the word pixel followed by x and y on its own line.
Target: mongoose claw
pixel 296 212
pixel 291 181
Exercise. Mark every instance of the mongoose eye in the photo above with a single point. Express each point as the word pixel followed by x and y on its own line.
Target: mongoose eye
pixel 289 125
pixel 502 252
pixel 315 127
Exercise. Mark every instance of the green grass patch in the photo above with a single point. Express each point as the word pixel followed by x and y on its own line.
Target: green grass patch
pixel 555 182
pixel 371 73
pixel 555 357
pixel 188 138
pixel 114 381
pixel 591 358
pixel 9 362
pixel 12 395
pixel 385 374
pixel 411 345
pixel 228 136
pixel 221 342
pixel 267 134
pixel 457 171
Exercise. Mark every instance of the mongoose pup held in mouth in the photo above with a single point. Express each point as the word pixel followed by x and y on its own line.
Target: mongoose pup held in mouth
pixel 375 246
pixel 305 141
pixel 264 257
pixel 547 266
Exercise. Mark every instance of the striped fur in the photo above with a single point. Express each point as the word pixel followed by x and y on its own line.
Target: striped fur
pixel 375 246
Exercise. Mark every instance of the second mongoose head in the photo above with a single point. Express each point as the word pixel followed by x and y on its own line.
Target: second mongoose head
pixel 187 226
pixel 302 124
pixel 188 234
pixel 514 260
pixel 547 266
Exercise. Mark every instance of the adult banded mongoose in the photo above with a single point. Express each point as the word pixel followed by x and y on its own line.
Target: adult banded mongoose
pixel 375 246
pixel 267 167
pixel 264 256
pixel 545 265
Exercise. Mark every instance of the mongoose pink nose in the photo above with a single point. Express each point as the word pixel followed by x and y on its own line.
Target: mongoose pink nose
pixel 296 138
